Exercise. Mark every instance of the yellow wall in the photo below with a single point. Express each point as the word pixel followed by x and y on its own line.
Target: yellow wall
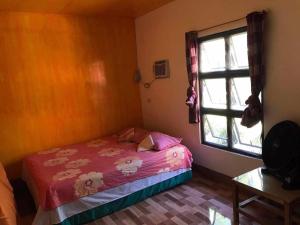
pixel 160 35
pixel 63 79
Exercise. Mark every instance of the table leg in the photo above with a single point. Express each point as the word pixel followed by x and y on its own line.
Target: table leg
pixel 287 214
pixel 236 205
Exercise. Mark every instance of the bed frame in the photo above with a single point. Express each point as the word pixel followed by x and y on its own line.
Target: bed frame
pixel 108 208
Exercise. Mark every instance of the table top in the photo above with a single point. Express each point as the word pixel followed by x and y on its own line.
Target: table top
pixel 267 186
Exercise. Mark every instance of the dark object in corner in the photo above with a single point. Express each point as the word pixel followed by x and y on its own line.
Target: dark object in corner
pixel 281 154
pixel 24 201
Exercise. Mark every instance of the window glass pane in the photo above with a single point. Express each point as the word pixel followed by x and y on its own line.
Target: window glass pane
pixel 214 93
pixel 212 55
pixel 246 139
pixel 238 51
pixel 215 129
pixel 240 92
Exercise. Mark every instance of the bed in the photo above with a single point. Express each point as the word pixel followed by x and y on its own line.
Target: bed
pixel 80 183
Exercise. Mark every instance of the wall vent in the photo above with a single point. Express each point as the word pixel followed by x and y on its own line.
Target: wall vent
pixel 161 69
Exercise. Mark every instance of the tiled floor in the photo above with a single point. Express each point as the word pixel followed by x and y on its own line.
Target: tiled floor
pixel 199 201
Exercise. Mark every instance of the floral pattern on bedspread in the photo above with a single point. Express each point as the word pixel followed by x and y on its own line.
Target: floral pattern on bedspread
pixel 77 163
pixel 110 152
pixel 62 175
pixel 88 184
pixel 129 165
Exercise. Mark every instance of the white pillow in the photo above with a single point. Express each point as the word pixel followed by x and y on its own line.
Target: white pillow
pixel 146 144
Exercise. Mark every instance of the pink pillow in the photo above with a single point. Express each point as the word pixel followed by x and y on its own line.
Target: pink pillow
pixel 139 135
pixel 135 135
pixel 163 141
pixel 126 135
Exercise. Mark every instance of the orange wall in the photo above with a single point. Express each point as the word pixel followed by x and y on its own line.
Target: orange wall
pixel 63 79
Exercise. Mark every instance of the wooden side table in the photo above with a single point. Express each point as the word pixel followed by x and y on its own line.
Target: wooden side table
pixel 265 189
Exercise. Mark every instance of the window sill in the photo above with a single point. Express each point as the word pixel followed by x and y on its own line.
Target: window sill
pixel 232 150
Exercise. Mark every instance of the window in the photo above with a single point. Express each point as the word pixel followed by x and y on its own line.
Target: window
pixel 225 86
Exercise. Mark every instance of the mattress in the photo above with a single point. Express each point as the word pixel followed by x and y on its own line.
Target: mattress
pixel 64 175
pixel 89 208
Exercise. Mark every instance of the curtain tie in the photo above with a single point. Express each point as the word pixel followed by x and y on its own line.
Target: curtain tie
pixel 253 113
pixel 191 97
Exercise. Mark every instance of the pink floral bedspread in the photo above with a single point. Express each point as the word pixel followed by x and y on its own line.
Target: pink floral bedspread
pixel 62 175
